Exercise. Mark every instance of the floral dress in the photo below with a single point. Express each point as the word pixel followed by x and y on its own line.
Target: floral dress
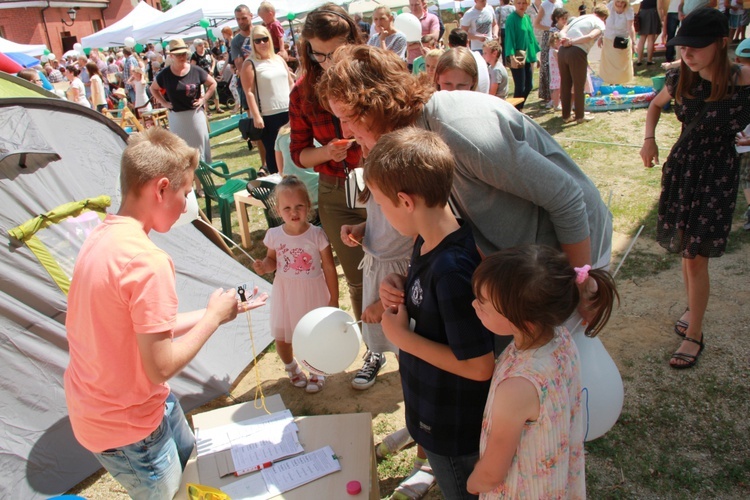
pixel 549 461
pixel 701 175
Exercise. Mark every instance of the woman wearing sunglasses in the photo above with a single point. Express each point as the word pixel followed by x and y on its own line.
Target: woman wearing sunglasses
pixel 326 29
pixel 266 81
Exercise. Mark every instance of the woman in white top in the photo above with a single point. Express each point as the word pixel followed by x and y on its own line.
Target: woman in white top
pixel 98 98
pixel 543 23
pixel 386 37
pixel 616 66
pixel 266 74
pixel 76 92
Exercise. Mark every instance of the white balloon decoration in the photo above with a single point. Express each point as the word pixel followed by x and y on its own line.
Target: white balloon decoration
pixel 326 340
pixel 409 25
pixel 129 42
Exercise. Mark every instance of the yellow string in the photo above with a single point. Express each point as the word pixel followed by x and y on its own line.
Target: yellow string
pixel 258 387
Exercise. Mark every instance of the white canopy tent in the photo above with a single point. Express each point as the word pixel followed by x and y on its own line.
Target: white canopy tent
pixel 29 50
pixel 367 6
pixel 115 35
pixel 465 4
pixel 182 19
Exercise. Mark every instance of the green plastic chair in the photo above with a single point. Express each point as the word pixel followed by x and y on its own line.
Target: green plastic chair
pixel 223 194
pixel 264 193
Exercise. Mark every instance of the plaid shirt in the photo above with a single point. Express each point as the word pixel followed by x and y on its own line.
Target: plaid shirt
pixel 309 122
pixel 55 76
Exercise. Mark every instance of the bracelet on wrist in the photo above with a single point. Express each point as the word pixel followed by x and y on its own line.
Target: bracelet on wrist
pixel 650 137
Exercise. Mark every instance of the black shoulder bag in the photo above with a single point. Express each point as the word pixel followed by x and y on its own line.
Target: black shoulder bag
pixel 247 128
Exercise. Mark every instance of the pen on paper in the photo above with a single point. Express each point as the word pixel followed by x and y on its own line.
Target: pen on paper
pixel 262 466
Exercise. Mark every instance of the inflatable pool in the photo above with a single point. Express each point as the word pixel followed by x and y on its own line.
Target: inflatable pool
pixel 618 97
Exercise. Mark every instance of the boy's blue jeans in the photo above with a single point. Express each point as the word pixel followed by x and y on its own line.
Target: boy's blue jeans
pixel 452 473
pixel 152 468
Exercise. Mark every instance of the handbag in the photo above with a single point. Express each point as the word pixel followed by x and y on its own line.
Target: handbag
pixel 354 186
pixel 518 60
pixel 621 42
pixel 247 128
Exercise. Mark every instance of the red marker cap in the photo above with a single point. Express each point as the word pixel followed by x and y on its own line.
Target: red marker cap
pixel 353 488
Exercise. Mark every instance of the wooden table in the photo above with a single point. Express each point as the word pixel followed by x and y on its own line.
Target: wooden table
pixel 159 117
pixel 349 435
pixel 241 201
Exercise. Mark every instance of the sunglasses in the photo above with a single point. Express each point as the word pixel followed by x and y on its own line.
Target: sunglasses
pixel 260 40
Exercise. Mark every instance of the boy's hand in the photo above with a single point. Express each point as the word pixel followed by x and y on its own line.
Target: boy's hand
pixel 254 303
pixel 392 290
pixel 395 323
pixel 222 305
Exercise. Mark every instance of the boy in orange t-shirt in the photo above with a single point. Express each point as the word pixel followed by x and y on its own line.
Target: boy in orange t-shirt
pixel 122 322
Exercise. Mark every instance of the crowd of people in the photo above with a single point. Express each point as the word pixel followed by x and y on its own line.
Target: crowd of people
pixel 476 252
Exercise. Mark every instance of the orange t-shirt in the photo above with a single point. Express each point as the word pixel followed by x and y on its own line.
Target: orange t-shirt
pixel 123 285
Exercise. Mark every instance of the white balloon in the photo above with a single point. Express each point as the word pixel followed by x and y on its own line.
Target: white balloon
pixel 78 48
pixel 51 56
pixel 326 340
pixel 601 386
pixel 192 211
pixel 129 42
pixel 409 25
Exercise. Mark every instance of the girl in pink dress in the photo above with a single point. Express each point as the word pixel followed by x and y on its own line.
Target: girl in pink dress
pixel 531 444
pixel 305 279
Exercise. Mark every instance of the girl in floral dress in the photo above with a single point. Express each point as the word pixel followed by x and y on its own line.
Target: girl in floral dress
pixel 531 444
pixel 701 175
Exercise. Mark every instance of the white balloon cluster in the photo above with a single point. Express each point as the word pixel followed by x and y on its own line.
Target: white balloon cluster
pixel 129 42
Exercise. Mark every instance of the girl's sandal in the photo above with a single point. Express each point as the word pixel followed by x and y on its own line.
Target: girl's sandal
pixel 681 326
pixel 296 376
pixel 315 383
pixel 688 360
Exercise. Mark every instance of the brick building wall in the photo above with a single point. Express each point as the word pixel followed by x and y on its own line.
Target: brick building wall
pixel 27 25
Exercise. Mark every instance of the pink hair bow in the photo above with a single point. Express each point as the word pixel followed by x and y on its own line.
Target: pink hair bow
pixel 582 273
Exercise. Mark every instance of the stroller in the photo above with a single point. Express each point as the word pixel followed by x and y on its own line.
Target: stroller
pixel 225 95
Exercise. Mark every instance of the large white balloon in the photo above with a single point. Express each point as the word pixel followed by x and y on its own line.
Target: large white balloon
pixel 409 25
pixel 192 211
pixel 129 42
pixel 78 48
pixel 326 340
pixel 601 386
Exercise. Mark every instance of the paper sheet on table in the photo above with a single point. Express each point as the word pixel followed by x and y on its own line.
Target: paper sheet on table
pixel 294 472
pixel 258 449
pixel 250 487
pixel 223 437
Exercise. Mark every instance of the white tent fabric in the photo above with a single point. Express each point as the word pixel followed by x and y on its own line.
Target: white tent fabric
pixel 465 4
pixel 39 456
pixel 29 50
pixel 115 34
pixel 184 16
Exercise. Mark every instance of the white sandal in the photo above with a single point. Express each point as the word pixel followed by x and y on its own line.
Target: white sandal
pixel 296 376
pixel 315 383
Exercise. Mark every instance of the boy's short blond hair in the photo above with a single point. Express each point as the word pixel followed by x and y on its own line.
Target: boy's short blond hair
pixel 156 153
pixel 412 161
